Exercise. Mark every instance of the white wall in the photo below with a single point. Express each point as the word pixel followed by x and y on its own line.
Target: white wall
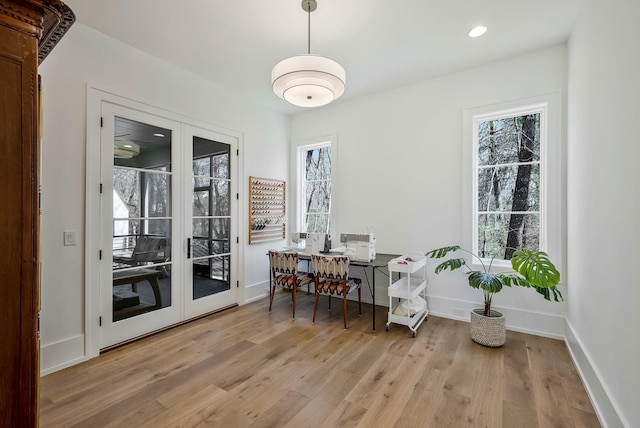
pixel 400 168
pixel 603 202
pixel 86 56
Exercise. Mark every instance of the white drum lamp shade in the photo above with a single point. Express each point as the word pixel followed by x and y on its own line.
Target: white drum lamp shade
pixel 308 80
pixel 125 149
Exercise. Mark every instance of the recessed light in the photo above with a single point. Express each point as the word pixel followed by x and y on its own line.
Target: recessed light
pixel 158 135
pixel 128 146
pixel 478 31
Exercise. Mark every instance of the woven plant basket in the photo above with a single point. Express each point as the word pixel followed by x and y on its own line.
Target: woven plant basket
pixel 488 331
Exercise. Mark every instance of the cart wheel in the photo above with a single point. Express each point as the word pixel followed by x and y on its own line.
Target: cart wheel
pixel 387 328
pixel 413 334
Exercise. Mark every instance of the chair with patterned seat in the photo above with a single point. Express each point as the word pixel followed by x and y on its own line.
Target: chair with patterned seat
pixel 284 272
pixel 331 276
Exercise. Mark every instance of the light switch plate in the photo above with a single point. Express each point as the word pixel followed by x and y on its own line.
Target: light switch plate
pixel 69 237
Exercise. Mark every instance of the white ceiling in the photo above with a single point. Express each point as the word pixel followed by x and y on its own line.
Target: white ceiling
pixel 382 44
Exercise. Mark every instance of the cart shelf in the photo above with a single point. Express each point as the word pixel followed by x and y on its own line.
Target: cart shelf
pixel 413 322
pixel 407 288
pixel 411 285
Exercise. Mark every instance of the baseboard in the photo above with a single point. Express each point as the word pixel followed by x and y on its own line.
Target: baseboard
pixel 62 354
pixel 606 410
pixel 256 291
pixel 536 323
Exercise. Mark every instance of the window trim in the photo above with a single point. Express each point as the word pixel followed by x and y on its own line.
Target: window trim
pixel 297 168
pixel 552 189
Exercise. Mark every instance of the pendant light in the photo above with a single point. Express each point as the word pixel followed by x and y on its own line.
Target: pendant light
pixel 125 149
pixel 308 80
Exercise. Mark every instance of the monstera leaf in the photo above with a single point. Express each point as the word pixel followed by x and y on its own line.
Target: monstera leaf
pixel 536 268
pixel 452 264
pixel 441 252
pixel 512 278
pixel 485 281
pixel 547 292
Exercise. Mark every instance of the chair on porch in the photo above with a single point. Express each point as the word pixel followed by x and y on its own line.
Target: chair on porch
pixel 284 273
pixel 331 276
pixel 148 249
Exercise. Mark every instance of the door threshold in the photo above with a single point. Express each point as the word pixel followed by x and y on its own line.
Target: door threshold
pixel 152 333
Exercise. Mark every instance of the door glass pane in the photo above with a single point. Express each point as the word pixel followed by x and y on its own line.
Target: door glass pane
pixel 211 218
pixel 210 196
pixel 141 218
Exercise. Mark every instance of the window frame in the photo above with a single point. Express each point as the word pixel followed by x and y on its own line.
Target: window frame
pixel 298 175
pixel 552 190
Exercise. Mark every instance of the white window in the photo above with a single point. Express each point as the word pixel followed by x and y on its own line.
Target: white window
pixel 512 180
pixel 314 179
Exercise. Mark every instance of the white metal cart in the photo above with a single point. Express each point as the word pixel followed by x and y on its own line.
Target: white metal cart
pixel 411 285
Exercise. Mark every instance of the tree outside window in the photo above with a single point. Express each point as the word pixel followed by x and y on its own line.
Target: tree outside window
pixel 508 178
pixel 211 202
pixel 316 188
pixel 141 204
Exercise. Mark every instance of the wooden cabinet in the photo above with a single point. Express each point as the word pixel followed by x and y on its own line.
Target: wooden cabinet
pixel 23 24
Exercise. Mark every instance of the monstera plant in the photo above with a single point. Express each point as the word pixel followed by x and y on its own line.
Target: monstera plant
pixel 531 269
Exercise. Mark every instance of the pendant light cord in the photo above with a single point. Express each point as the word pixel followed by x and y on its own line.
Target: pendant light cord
pixel 309 30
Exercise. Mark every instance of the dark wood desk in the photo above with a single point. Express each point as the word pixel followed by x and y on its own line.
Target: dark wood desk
pixel 380 262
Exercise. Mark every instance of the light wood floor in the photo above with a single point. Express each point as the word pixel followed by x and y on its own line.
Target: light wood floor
pixel 247 368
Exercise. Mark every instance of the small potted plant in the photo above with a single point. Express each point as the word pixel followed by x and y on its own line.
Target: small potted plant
pixel 531 269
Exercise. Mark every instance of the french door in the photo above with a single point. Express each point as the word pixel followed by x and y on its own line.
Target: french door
pixel 208 221
pixel 167 223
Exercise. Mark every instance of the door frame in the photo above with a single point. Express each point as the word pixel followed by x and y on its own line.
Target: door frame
pixel 95 97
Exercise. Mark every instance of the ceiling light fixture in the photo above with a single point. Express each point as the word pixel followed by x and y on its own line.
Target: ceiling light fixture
pixel 308 80
pixel 125 149
pixel 478 31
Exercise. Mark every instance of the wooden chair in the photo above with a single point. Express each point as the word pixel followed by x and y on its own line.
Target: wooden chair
pixel 284 272
pixel 148 249
pixel 331 276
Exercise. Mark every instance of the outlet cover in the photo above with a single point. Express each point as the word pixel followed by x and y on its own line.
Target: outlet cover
pixel 458 312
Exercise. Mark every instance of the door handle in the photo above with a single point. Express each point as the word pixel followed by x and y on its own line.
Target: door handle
pixel 188 248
